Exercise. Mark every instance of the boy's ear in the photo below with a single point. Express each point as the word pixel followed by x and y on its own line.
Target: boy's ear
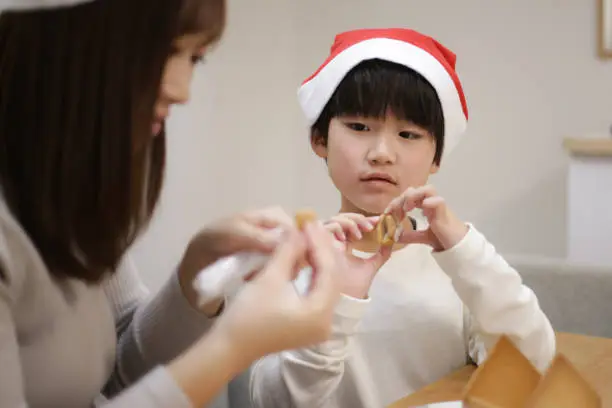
pixel 318 144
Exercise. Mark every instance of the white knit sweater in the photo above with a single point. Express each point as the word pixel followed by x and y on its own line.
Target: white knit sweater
pixel 427 314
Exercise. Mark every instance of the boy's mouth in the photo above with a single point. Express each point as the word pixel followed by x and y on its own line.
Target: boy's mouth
pixel 379 178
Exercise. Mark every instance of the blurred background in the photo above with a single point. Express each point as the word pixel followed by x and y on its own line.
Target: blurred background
pixel 532 77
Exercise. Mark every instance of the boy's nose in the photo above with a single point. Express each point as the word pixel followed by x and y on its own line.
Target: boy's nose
pixel 381 152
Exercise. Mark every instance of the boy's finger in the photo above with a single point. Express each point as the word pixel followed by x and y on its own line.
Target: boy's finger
pixel 364 223
pixel 416 197
pixel 429 190
pixel 392 205
pixel 374 220
pixel 433 202
pixel 337 230
pixel 415 237
pixel 396 207
pixel 348 224
pixel 353 228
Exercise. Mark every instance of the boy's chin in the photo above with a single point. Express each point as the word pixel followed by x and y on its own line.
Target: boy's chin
pixel 369 208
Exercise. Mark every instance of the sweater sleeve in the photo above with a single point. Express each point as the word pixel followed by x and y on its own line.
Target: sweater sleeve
pixel 144 323
pixel 11 379
pixel 157 389
pixel 307 378
pixel 497 301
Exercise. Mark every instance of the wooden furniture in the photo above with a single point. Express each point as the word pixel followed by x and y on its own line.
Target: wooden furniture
pixel 592 356
pixel 589 147
pixel 604 28
pixel 589 199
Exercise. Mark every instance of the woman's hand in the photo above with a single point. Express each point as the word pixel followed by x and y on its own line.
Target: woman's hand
pixel 248 231
pixel 268 314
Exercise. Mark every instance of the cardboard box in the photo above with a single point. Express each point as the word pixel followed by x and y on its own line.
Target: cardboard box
pixel 507 379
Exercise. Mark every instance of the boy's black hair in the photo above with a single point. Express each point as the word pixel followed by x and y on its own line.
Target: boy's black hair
pixel 375 86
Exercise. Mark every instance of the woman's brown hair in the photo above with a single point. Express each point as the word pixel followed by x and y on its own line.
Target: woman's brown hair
pixel 79 168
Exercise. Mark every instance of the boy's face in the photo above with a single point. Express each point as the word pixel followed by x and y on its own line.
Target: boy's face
pixel 371 161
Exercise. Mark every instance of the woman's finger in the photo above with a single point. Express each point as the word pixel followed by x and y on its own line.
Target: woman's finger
pixel 271 217
pixel 255 238
pixel 286 258
pixel 325 260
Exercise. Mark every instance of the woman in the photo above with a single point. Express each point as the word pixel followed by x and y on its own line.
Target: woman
pixel 84 92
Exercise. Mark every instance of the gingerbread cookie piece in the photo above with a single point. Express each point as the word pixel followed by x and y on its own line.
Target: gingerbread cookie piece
pixel 303 217
pixel 385 231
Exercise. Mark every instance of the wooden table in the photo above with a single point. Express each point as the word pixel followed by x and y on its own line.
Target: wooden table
pixel 592 356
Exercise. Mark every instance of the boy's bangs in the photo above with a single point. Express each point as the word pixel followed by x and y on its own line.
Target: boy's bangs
pixel 203 16
pixel 375 87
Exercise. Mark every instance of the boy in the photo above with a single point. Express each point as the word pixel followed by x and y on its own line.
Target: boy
pixel 385 108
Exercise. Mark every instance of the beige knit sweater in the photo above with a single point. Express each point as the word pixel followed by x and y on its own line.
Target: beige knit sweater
pixel 64 344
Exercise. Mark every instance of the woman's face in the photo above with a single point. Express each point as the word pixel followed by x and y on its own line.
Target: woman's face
pixel 187 51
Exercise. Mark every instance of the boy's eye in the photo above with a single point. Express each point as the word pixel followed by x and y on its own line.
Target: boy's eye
pixel 358 127
pixel 410 135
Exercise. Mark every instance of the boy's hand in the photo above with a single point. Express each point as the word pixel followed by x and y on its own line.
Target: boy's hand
pixel 356 279
pixel 445 229
pixel 350 226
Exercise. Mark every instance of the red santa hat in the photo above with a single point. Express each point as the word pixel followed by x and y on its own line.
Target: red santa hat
pixel 419 52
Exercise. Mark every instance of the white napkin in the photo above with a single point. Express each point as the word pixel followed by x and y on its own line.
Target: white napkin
pixel 225 277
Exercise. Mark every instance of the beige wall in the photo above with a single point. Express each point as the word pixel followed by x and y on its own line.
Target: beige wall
pixel 531 77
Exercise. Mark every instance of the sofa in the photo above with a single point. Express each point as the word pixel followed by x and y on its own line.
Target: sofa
pixel 577 298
